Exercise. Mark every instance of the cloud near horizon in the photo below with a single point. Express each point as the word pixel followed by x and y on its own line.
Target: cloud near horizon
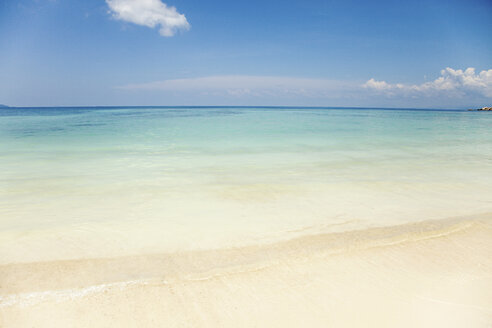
pixel 451 83
pixel 245 85
pixel 150 13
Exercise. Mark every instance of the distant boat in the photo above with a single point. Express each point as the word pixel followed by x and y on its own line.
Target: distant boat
pixel 483 108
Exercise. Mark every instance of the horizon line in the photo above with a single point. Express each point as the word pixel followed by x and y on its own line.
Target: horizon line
pixel 235 106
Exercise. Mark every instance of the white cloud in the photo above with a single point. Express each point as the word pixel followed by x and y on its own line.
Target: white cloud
pixel 453 89
pixel 150 13
pixel 244 85
pixel 454 83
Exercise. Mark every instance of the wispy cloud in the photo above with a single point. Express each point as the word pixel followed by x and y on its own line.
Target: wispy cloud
pixel 244 85
pixel 150 13
pixel 451 83
pixel 454 88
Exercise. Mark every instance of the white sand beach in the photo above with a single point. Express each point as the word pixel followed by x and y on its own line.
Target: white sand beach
pixel 425 274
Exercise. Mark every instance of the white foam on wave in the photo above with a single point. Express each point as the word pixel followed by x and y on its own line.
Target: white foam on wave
pixel 30 299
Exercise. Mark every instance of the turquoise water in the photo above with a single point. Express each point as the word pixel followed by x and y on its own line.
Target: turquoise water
pixel 130 180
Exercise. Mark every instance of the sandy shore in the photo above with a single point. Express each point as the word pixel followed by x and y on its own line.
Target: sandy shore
pixel 427 274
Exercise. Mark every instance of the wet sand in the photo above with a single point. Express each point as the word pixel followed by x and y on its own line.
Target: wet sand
pixel 426 274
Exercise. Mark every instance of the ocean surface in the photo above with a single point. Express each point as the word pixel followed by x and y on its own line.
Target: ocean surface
pixel 112 181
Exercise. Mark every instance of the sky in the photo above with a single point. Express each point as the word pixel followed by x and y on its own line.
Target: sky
pixel 416 54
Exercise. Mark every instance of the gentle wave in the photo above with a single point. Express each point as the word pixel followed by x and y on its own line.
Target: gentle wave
pixel 399 235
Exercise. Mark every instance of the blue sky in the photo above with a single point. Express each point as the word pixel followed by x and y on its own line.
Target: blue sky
pixel 292 52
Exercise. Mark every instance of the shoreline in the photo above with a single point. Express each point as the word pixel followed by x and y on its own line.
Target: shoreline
pixel 435 251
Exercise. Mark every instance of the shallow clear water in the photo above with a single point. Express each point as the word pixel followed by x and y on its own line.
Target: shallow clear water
pixel 78 182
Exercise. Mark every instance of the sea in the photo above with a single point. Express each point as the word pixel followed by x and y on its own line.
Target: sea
pixel 95 182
